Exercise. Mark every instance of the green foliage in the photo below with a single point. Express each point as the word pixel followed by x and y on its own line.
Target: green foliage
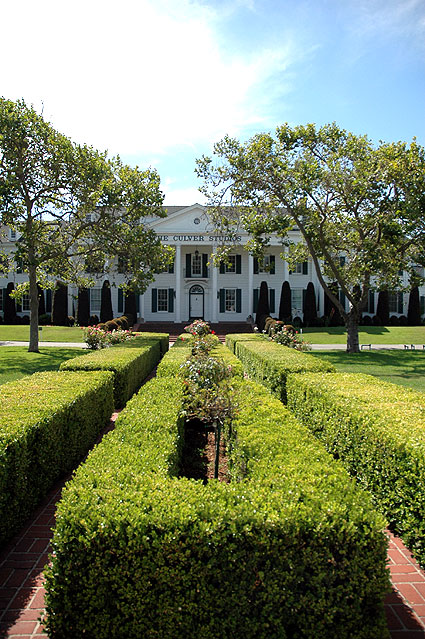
pixel 49 420
pixel 233 338
pixel 131 363
pixel 349 198
pixel 181 351
pixel 377 430
pixel 164 339
pixel 281 553
pixel 270 363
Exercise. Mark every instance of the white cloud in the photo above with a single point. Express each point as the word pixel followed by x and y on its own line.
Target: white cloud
pixel 138 76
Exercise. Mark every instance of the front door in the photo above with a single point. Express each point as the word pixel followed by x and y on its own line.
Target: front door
pixel 196 302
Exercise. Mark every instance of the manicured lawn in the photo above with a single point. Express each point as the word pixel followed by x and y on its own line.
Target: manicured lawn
pixel 47 334
pixel 16 362
pixel 367 335
pixel 406 368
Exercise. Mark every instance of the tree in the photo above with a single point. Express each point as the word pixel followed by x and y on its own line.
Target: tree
pixel 414 308
pixel 263 308
pixel 106 312
pixel 310 310
pixel 359 207
pixel 60 305
pixel 83 307
pixel 130 307
pixel 285 305
pixel 70 205
pixel 383 308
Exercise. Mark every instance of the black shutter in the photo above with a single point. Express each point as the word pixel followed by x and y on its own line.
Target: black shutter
pixel 305 268
pixel 222 268
pixel 171 268
pixel 238 264
pixel 272 264
pixel 256 295
pixel 154 300
pixel 120 300
pixel 18 307
pixel 238 300
pixel 371 302
pixel 271 300
pixel 188 265
pixel 137 302
pixel 204 264
pixel 222 297
pixel 171 300
pixel 400 302
pixel 48 301
pixel 255 265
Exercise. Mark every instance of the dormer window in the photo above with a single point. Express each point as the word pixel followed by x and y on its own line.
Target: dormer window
pixel 12 234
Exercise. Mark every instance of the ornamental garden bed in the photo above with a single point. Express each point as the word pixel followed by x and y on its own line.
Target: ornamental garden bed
pixel 289 547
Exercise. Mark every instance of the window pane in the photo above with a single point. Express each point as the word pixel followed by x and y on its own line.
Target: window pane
pixel 231 265
pixel 230 300
pixel 196 264
pixel 163 299
pixel 297 298
pixel 95 297
pixel 264 264
pixel 26 303
pixel 393 302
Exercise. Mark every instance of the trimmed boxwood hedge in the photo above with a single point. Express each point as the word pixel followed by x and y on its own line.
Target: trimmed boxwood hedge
pixel 270 363
pixel 48 421
pixel 131 363
pixel 233 338
pixel 290 548
pixel 164 339
pixel 378 430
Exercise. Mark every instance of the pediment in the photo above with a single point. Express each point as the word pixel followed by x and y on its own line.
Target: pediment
pixel 186 219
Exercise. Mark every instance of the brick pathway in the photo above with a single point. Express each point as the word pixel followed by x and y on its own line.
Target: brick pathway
pixel 22 591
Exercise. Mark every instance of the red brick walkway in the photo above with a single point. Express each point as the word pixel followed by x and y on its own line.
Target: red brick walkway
pixel 22 592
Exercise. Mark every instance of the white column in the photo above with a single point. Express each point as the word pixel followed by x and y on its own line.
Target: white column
pixel 214 301
pixel 178 272
pixel 250 284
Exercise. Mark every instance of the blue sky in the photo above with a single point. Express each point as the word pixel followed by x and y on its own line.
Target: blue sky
pixel 159 81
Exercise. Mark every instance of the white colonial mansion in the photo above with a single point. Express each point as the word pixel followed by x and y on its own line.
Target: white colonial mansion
pixel 193 288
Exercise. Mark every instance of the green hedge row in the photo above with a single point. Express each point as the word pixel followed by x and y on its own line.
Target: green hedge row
pixel 164 339
pixel 378 430
pixel 233 338
pixel 131 363
pixel 48 421
pixel 270 363
pixel 290 548
pixel 181 351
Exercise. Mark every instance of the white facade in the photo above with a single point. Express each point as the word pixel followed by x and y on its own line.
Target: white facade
pixel 194 288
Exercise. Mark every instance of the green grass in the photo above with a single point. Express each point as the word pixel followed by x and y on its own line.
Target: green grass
pixel 47 334
pixel 367 335
pixel 16 362
pixel 406 368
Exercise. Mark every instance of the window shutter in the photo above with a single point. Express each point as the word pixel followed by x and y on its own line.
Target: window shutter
pixel 255 299
pixel 255 265
pixel 305 268
pixel 204 265
pixel 238 264
pixel 272 300
pixel 222 268
pixel 422 303
pixel 154 300
pixel 400 302
pixel 272 264
pixel 18 307
pixel 222 293
pixel 188 265
pixel 171 300
pixel 238 300
pixel 137 302
pixel 371 302
pixel 48 301
pixel 171 268
pixel 120 300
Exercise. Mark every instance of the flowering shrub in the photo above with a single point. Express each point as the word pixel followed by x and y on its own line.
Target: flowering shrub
pixel 198 328
pixel 96 337
pixel 290 338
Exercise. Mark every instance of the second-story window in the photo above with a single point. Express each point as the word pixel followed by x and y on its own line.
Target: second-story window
pixel 196 264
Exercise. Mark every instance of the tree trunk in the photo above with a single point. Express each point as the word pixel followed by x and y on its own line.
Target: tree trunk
pixel 352 324
pixel 33 295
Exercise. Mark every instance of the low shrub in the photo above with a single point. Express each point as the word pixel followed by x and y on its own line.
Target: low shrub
pixel 270 363
pixel 49 420
pixel 130 363
pixel 164 339
pixel 232 339
pixel 378 430
pixel 293 549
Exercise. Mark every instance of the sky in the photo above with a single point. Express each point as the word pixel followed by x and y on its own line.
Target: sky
pixel 160 81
